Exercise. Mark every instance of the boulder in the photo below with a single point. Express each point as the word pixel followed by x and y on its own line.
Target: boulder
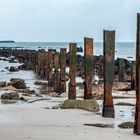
pixel 13 69
pixel 2 84
pixel 10 96
pixel 90 105
pixel 17 83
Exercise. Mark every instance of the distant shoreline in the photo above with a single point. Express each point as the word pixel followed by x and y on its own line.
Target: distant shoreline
pixel 7 41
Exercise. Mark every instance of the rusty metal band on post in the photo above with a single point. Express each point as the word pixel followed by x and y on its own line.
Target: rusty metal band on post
pixel 72 74
pixel 109 53
pixel 88 67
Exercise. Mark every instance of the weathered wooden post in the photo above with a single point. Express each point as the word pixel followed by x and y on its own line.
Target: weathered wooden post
pixel 46 65
pixel 72 74
pixel 50 70
pixel 37 60
pixel 137 111
pixel 88 67
pixel 121 70
pixel 56 72
pixel 42 59
pixel 62 70
pixel 101 66
pixel 133 76
pixel 34 59
pixel 109 52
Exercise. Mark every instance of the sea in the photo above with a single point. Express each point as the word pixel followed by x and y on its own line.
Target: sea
pixel 122 49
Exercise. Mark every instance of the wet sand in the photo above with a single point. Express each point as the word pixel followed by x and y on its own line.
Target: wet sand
pixel 33 121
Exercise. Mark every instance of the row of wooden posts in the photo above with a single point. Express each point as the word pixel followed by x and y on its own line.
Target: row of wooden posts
pixel 51 65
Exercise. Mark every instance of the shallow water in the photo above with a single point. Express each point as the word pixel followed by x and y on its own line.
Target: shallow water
pixel 122 113
pixel 28 76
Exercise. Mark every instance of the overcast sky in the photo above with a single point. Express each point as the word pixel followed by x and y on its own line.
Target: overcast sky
pixel 67 20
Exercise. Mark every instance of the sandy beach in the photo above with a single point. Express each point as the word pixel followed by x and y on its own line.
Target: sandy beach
pixel 43 119
pixel 33 121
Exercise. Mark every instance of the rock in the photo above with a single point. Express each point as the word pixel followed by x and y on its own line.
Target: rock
pixel 23 99
pixel 79 49
pixel 126 125
pixel 44 91
pixel 90 105
pixel 99 97
pixel 2 70
pixel 3 101
pixel 6 68
pixel 121 86
pixel 98 113
pixel 28 91
pixel 57 106
pixel 13 61
pixel 41 82
pixel 38 95
pixel 10 96
pixel 101 125
pixel 13 69
pixel 124 104
pixel 14 79
pixel 2 84
pixel 17 83
pixel 54 94
pixel 8 88
pixel 26 67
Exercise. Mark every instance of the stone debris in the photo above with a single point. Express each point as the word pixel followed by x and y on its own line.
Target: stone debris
pixel 126 125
